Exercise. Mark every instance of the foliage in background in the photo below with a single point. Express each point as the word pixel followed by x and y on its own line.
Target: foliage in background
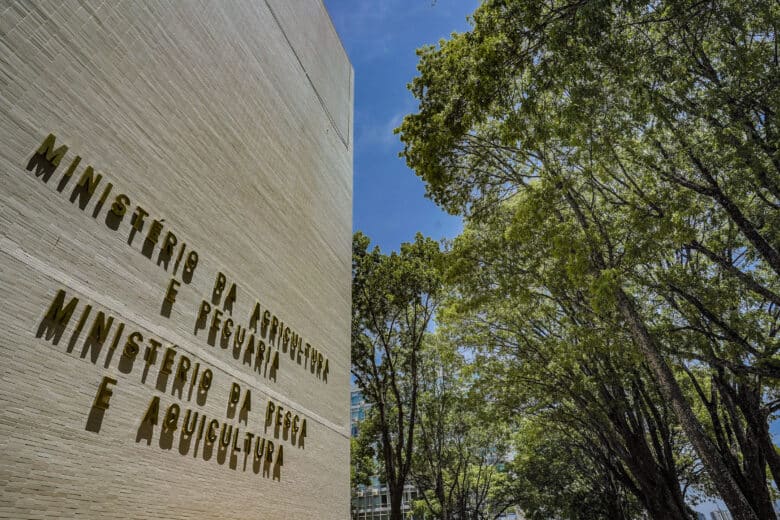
pixel 558 477
pixel 363 453
pixel 462 445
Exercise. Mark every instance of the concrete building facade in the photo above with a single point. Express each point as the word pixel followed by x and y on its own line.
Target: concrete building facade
pixel 175 247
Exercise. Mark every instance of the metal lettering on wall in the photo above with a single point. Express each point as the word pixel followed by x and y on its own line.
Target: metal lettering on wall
pixel 256 344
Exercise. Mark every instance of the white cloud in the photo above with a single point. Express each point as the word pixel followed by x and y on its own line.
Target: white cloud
pixel 381 133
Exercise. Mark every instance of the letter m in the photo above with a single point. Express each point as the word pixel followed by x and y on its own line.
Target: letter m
pixel 47 149
pixel 57 317
pixel 46 158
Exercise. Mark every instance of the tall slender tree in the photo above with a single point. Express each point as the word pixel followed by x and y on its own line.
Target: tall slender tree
pixel 394 298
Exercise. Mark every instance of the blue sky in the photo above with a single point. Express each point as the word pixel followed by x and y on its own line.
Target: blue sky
pixel 381 37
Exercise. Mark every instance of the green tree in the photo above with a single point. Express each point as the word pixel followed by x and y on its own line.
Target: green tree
pixel 363 457
pixel 560 475
pixel 462 446
pixel 643 136
pixel 394 298
pixel 545 351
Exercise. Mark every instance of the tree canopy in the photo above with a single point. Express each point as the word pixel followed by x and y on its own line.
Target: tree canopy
pixel 617 163
pixel 394 298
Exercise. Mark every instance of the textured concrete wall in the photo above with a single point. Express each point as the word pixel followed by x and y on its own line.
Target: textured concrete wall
pixel 230 124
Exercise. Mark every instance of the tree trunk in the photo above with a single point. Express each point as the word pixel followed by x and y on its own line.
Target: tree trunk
pixel 660 496
pixel 754 461
pixel 657 487
pixel 759 428
pixel 662 508
pixel 729 490
pixel 763 247
pixel 755 483
pixel 663 503
pixel 772 457
pixel 396 500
